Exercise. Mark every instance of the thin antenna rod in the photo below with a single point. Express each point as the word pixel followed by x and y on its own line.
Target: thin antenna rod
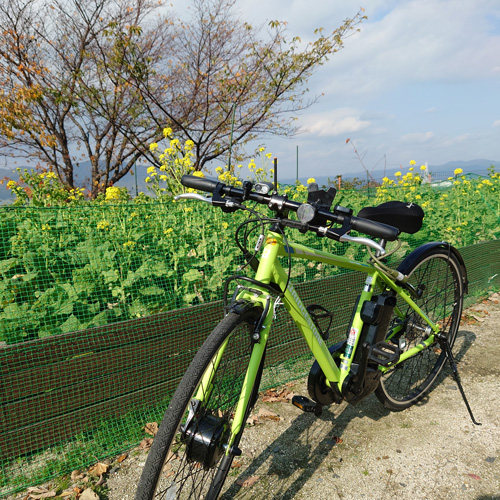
pixel 275 175
pixel 297 177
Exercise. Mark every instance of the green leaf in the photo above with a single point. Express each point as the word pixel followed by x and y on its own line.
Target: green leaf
pixel 72 324
pixel 7 265
pixel 152 290
pixel 192 276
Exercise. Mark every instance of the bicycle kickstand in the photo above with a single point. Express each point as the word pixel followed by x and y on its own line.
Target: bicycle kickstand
pixel 445 346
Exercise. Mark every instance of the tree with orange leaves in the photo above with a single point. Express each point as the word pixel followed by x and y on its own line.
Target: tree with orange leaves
pixel 95 82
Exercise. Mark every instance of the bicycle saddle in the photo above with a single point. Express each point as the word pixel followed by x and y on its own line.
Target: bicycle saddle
pixel 407 217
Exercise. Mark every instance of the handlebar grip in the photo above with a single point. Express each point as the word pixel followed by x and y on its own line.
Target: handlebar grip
pixel 200 183
pixel 375 229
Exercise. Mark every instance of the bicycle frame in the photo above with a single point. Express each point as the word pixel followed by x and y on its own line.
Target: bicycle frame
pixel 270 271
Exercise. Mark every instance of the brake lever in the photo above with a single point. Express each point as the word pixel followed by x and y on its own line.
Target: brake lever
pixel 227 205
pixel 194 196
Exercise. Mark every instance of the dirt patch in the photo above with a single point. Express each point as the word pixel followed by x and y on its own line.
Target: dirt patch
pixel 432 451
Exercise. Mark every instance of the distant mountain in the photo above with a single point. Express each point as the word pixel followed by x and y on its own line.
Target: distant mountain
pixel 479 167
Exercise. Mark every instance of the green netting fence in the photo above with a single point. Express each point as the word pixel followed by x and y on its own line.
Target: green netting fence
pixel 102 307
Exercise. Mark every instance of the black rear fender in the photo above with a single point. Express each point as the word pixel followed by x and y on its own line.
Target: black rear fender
pixel 419 252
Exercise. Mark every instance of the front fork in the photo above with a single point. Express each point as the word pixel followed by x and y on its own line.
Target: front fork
pixel 259 348
pixel 259 338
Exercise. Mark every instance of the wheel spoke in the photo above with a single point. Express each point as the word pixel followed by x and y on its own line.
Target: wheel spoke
pixel 191 457
pixel 437 275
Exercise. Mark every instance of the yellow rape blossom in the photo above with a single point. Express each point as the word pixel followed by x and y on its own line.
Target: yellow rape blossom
pixel 458 171
pixel 112 193
pixel 311 180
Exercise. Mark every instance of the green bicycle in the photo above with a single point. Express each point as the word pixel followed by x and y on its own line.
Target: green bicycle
pixel 403 328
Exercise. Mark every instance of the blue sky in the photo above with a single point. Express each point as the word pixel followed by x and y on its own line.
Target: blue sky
pixel 420 81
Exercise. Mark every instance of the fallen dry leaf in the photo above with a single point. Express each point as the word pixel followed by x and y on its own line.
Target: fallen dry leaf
pixel 277 395
pixel 38 493
pixel 235 465
pixel 151 428
pixel 99 469
pixel 101 481
pixel 76 475
pixel 122 457
pixel 253 420
pixel 66 493
pixel 89 494
pixel 265 414
pixel 477 318
pixel 145 444
pixel 37 489
pixel 244 483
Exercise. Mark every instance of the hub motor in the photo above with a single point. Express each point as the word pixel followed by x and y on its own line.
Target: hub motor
pixel 204 437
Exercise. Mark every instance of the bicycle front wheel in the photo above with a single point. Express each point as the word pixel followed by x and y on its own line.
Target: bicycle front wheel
pixel 437 274
pixel 189 458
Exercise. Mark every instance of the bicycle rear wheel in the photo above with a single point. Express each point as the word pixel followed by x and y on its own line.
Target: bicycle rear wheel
pixel 438 274
pixel 188 458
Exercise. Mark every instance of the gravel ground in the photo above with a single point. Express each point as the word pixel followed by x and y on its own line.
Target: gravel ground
pixel 430 451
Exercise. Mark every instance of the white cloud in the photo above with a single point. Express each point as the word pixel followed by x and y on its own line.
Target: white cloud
pixel 419 41
pixel 496 123
pixel 418 137
pixel 337 122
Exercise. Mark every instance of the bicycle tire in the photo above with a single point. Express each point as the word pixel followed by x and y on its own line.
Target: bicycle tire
pixel 438 274
pixel 183 477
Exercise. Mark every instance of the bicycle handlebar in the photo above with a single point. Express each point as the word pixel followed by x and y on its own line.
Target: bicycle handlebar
pixel 199 183
pixel 282 203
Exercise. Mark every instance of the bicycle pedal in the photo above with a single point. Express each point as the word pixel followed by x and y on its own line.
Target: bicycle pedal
pixel 384 354
pixel 308 405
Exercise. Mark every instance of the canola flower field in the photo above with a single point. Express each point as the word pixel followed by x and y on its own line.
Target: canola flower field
pixel 68 264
